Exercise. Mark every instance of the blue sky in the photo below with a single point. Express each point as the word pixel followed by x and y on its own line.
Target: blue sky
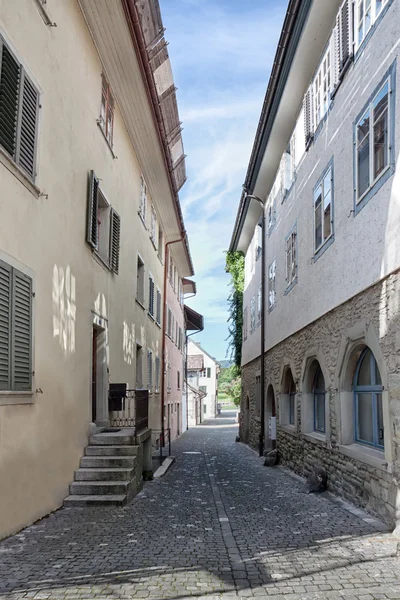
pixel 221 53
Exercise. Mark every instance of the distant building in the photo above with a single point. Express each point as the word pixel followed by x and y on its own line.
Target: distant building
pixel 207 379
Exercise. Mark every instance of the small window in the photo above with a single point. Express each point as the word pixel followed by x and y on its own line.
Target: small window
pixel 103 226
pixel 323 214
pixel 153 226
pixel 151 295
pixel 15 329
pixel 178 380
pixel 143 199
pixel 160 244
pixel 259 303
pixel 157 375
pixel 19 109
pixel 245 323
pixel 158 307
pixel 209 372
pixel 106 120
pixel 140 280
pixel 368 425
pixel 149 370
pixel 372 141
pixel 204 409
pixel 139 366
pixel 252 314
pixel 319 401
pixel 291 257
pixel 322 87
pixel 272 285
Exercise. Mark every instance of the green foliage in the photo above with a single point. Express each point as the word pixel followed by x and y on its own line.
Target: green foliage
pixel 229 384
pixel 235 266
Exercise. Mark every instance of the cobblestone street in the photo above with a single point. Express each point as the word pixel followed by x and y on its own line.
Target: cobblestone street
pixel 217 525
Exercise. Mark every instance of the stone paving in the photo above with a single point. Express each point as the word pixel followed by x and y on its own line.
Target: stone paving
pixel 217 525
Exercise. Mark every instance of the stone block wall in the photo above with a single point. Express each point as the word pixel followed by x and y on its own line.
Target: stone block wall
pixel 371 315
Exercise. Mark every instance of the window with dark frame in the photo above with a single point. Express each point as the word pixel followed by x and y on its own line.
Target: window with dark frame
pixel 323 214
pixel 368 407
pixel 106 120
pixel 140 280
pixel 319 401
pixel 19 109
pixel 291 257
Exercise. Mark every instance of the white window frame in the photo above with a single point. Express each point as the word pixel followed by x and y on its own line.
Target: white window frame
pixel 323 84
pixel 150 370
pixel 153 227
pixel 290 250
pixel 319 185
pixel 369 108
pixel 272 285
pixel 143 199
pixel 151 289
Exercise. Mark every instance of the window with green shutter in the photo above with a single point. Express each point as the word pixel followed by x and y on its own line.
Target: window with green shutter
pixel 15 329
pixel 19 107
pixel 103 226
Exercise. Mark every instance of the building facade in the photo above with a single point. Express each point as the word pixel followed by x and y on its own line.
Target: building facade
pixel 324 164
pixel 90 172
pixel 207 381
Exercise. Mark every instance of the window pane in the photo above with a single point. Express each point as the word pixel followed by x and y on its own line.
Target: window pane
pixel 378 379
pixel 379 412
pixel 381 130
pixel 364 417
pixel 291 409
pixel 327 222
pixel 319 412
pixel 363 154
pixel 367 16
pixel 360 20
pixel 379 4
pixel 364 373
pixel 318 224
pixel 319 381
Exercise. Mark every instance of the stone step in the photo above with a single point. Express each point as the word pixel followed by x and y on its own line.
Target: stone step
pixel 112 439
pixel 104 474
pixel 103 462
pixel 112 450
pixel 95 500
pixel 87 488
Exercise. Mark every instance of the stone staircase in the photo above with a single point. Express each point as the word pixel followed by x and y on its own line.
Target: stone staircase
pixel 110 473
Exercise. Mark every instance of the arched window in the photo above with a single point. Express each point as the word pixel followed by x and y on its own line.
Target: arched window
pixel 291 392
pixel 319 401
pixel 368 422
pixel 287 403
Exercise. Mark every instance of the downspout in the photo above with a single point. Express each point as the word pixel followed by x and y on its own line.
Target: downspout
pixel 166 256
pixel 186 371
pixel 262 403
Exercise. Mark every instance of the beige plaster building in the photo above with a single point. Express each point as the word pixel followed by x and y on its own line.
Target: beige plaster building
pixel 91 162
pixel 324 164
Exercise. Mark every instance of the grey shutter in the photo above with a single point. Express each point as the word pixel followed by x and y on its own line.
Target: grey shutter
pixel 9 90
pixel 92 236
pixel 308 112
pixel 115 236
pixel 27 127
pixel 21 333
pixel 5 325
pixel 158 307
pixel 345 33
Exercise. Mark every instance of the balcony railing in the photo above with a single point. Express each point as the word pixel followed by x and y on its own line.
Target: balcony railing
pixel 128 408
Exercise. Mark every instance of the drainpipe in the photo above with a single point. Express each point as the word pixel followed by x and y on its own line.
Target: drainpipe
pixel 186 371
pixel 262 348
pixel 166 256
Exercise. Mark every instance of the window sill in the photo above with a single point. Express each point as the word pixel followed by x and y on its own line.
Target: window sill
pixel 373 189
pixel 291 429
pixel 324 247
pixel 44 14
pixel 290 286
pixel 140 303
pixel 8 398
pixel 106 140
pixel 151 316
pixel 160 258
pixel 15 170
pixel 153 242
pixel 101 261
pixel 315 438
pixel 370 456
pixel 142 219
pixel 158 324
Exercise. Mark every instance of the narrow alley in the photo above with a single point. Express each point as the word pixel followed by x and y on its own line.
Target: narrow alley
pixel 217 525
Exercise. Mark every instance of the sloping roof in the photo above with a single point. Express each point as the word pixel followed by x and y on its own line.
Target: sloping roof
pixel 195 362
pixel 205 351
pixel 193 320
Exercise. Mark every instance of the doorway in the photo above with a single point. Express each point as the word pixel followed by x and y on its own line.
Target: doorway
pixel 94 374
pixel 270 411
pixel 246 421
pixel 99 401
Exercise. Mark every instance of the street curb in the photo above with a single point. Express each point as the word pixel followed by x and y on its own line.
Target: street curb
pixel 164 467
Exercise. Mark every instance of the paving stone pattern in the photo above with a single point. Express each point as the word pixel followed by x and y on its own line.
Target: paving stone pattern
pixel 217 525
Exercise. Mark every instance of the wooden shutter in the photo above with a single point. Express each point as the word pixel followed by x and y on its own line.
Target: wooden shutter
pixel 115 236
pixel 345 16
pixel 5 325
pixel 151 296
pixel 92 212
pixel 27 130
pixel 9 91
pixel 21 363
pixel 308 115
pixel 158 307
pixel 149 369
